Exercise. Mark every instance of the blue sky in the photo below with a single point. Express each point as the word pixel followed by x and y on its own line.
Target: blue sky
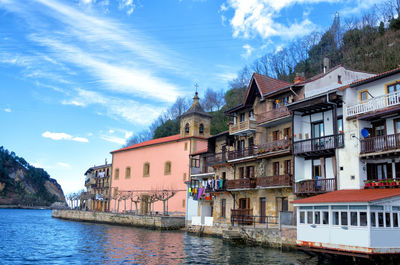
pixel 80 77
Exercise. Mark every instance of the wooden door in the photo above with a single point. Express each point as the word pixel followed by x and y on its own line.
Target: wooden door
pixel 262 209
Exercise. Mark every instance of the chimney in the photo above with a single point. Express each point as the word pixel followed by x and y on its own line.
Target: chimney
pixel 326 64
pixel 299 78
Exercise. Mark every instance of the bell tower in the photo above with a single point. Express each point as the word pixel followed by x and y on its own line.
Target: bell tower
pixel 195 121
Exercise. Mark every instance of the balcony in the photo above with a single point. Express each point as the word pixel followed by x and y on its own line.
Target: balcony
pixel 244 183
pixel 274 181
pixel 318 146
pixel 272 115
pixel 216 158
pixel 274 146
pixel 243 128
pixel 382 183
pixel 379 144
pixel 374 104
pixel 247 152
pixel 315 186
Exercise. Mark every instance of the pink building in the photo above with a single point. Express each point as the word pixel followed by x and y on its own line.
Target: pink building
pixel 146 173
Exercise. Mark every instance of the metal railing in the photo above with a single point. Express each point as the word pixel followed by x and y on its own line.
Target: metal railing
pixel 246 217
pixel 272 146
pixel 249 151
pixel 216 158
pixel 319 185
pixel 318 144
pixel 272 114
pixel 376 103
pixel 380 143
pixel 271 181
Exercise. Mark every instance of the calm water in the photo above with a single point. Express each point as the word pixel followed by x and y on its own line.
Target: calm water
pixel 33 237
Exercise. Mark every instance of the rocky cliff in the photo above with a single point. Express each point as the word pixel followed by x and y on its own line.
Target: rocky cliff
pixel 23 184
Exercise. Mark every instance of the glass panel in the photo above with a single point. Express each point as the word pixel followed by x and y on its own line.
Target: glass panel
pixel 309 217
pixel 343 218
pixel 373 219
pixel 380 219
pixel 339 207
pixel 376 207
pixel 358 207
pixel 340 125
pixel 305 207
pixel 317 217
pixel 395 220
pixel 363 219
pixel 335 218
pixel 325 218
pixel 396 208
pixel 321 207
pixel 302 217
pixel 353 219
pixel 387 220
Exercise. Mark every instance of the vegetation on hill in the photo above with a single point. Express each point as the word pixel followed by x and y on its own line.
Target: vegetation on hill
pixel 369 43
pixel 21 183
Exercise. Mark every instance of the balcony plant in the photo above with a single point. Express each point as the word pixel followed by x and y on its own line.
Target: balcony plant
pixel 368 183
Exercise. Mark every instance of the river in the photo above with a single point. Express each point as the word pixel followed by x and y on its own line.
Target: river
pixel 34 237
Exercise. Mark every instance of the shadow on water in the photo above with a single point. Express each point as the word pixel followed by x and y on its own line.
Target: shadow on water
pixel 33 237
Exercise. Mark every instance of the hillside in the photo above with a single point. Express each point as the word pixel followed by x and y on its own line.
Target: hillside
pixel 23 184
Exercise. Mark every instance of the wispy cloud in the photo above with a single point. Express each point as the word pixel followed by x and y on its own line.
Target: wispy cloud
pixel 63 136
pixel 118 136
pixel 7 110
pixel 248 51
pixel 63 164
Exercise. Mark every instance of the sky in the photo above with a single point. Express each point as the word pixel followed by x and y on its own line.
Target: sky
pixel 79 77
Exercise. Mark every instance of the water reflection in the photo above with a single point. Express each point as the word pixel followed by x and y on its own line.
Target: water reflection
pixel 33 237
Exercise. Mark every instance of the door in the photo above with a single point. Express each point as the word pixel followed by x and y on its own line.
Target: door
pixel 251 144
pixel 276 168
pixel 317 131
pixel 379 131
pixel 397 132
pixel 262 210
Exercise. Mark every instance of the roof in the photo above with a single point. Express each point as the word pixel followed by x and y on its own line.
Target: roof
pixel 375 77
pixel 349 196
pixel 319 76
pixel 268 85
pixel 196 108
pixel 151 142
pixel 202 151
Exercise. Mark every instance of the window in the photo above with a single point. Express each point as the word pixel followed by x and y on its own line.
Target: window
pixel 393 87
pixel 317 217
pixel 363 95
pixel 167 168
pixel 275 135
pixel 223 208
pixel 343 218
pixel 250 172
pixel 276 168
pixel 241 172
pixel 186 146
pixel 183 203
pixel 380 219
pixel 387 220
pixel 325 218
pixel 195 163
pixel 187 128
pixel 116 174
pixel 335 218
pixel 201 128
pixel 287 133
pixel 288 169
pixel 251 115
pixel 127 172
pixel 395 220
pixel 353 219
pixel 146 169
pixel 184 177
pixel 234 118
pixel 373 219
pixel 302 217
pixel 340 124
pixel 309 217
pixel 363 219
pixel 242 118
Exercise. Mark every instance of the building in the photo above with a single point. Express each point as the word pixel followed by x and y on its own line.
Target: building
pixel 149 177
pixel 97 183
pixel 361 218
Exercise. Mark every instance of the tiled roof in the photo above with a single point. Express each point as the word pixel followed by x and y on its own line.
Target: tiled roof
pixel 199 152
pixel 375 77
pixel 151 142
pixel 268 85
pixel 348 196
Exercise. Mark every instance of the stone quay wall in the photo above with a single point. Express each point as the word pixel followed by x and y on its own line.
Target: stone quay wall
pixel 154 222
pixel 283 237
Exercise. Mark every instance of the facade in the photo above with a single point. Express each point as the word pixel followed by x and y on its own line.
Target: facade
pixel 97 183
pixel 360 218
pixel 149 177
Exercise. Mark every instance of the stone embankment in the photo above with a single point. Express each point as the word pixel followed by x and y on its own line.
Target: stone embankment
pixel 154 222
pixel 283 237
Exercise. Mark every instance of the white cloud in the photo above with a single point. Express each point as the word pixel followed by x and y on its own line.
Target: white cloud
pixel 62 164
pixel 259 17
pixel 114 139
pixel 7 110
pixel 118 136
pixel 63 136
pixel 248 50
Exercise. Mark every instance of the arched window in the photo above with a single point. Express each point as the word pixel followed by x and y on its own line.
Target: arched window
pixel 167 168
pixel 201 128
pixel 127 172
pixel 146 169
pixel 187 128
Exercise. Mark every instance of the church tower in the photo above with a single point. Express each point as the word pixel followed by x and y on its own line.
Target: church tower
pixel 195 121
